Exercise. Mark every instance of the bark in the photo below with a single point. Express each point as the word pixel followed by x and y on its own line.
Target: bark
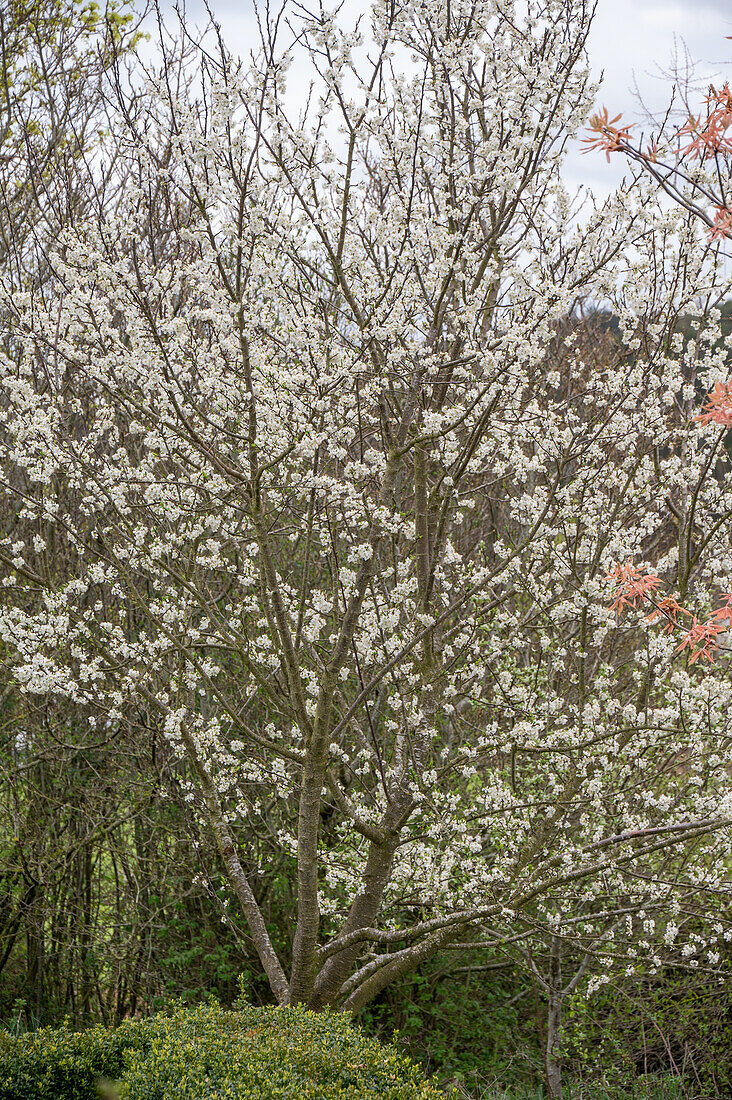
pixel 252 912
pixel 304 946
pixel 35 957
pixel 554 1023
pixel 238 879
pixel 363 912
pixel 403 963
pixel 553 1063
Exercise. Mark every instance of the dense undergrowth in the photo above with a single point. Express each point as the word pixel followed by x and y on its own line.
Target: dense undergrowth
pixel 478 1031
pixel 664 1037
pixel 470 1036
pixel 212 1053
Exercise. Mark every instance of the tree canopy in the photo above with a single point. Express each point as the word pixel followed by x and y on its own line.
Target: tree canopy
pixel 317 456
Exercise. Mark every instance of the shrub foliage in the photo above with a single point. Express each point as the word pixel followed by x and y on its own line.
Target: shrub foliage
pixel 207 1052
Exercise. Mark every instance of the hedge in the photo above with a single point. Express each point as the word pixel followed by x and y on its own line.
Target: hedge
pixel 210 1053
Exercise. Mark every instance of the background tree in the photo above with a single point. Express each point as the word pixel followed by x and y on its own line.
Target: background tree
pixel 57 811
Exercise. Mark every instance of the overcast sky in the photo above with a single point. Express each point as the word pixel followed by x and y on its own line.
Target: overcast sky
pixel 633 42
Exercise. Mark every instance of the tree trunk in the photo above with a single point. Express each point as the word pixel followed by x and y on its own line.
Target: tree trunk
pixel 363 913
pixel 553 1063
pixel 554 1023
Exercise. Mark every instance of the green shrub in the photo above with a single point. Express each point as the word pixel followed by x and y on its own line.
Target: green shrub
pixel 210 1053
pixel 58 1064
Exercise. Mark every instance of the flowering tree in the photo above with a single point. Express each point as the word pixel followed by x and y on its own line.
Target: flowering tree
pixel 52 63
pixel 319 468
pixel 53 56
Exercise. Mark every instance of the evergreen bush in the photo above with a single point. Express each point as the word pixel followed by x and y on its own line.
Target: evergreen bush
pixel 210 1052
